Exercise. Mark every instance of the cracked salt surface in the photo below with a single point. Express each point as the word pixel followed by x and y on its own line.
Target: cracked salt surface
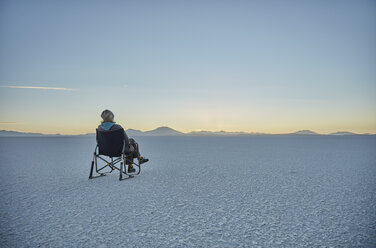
pixel 262 191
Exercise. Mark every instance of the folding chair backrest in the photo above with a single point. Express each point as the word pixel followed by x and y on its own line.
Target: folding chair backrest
pixel 110 143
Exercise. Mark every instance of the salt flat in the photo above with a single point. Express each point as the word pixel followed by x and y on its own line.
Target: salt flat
pixel 259 191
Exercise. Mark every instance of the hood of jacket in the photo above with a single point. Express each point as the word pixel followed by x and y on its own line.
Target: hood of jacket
pixel 107 125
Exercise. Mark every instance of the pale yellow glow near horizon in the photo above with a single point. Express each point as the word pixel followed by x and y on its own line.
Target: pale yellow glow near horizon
pixel 255 127
pixel 187 116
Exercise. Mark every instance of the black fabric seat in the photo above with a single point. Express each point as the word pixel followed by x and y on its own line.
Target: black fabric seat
pixel 110 143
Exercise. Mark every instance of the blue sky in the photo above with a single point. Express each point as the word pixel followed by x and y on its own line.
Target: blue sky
pixel 258 66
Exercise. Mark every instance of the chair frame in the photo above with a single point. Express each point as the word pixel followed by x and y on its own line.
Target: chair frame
pixel 112 164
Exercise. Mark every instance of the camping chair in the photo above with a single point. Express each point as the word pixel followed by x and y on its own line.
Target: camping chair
pixel 111 144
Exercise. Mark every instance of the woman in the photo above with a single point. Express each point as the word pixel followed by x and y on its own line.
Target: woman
pixel 131 150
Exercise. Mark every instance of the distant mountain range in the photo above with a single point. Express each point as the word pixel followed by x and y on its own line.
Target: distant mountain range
pixel 167 131
pixel 5 133
pixel 305 132
pixel 160 131
pixel 346 133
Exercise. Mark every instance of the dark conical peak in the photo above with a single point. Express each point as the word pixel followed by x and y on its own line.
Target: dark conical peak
pixel 305 132
pixel 164 128
pixel 163 131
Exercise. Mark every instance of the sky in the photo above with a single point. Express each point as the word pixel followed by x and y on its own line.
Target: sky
pixel 254 66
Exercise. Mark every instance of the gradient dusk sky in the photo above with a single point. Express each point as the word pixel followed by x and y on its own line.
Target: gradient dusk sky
pixel 255 66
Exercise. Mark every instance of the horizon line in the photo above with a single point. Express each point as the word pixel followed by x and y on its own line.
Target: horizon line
pixel 237 133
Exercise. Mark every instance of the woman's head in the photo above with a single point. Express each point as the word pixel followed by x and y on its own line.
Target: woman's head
pixel 107 116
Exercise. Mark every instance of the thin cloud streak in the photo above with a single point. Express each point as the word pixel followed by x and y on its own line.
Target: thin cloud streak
pixel 8 122
pixel 38 88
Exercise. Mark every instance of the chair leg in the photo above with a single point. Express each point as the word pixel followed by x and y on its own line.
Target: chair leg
pixel 94 164
pixel 121 171
pixel 91 170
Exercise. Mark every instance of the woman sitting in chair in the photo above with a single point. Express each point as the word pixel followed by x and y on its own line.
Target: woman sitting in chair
pixel 131 150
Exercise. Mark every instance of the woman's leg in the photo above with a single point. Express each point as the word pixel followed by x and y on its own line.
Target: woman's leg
pixel 135 153
pixel 132 153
